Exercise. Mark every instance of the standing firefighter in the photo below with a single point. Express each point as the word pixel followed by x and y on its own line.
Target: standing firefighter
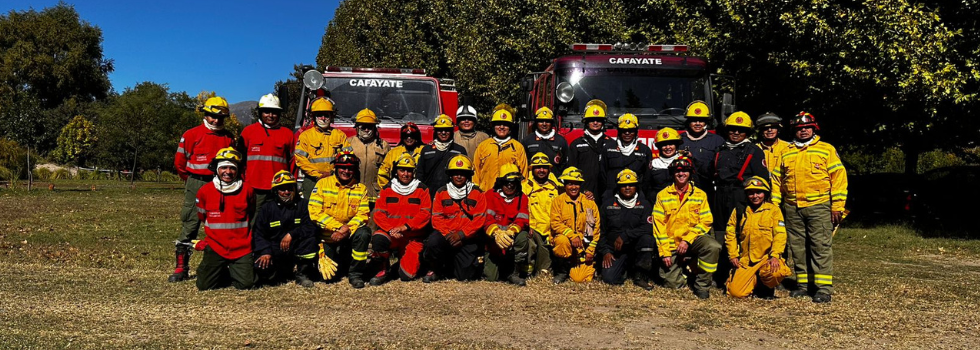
pixel 506 225
pixel 436 155
pixel 546 139
pixel 756 239
pixel 370 149
pixel 627 245
pixel 468 136
pixel 701 145
pixel 768 125
pixel 195 151
pixel 317 146
pixel 402 215
pixel 626 152
pixel 498 150
pixel 339 206
pixel 681 222
pixel 283 235
pixel 458 213
pixel 586 152
pixel 267 147
pixel 811 184
pixel 541 191
pixel 575 226
pixel 410 143
pixel 658 177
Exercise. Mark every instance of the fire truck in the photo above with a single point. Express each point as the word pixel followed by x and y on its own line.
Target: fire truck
pixel 397 96
pixel 653 82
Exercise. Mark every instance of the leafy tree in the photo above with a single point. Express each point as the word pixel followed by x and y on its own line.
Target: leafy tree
pixel 293 87
pixel 76 141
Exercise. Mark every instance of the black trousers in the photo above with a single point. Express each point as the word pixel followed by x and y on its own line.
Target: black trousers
pixel 636 257
pixel 460 263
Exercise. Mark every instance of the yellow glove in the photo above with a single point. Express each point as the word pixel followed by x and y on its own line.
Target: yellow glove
pixel 503 240
pixel 327 267
pixel 512 230
pixel 492 229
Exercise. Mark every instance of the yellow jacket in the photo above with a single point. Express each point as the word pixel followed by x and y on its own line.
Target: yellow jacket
pixel 676 220
pixel 774 153
pixel 315 151
pixel 489 157
pixel 540 198
pixel 763 235
pixel 809 176
pixel 371 156
pixel 386 168
pixel 578 218
pixel 333 205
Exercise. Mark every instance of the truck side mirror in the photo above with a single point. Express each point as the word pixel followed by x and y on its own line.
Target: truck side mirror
pixel 727 107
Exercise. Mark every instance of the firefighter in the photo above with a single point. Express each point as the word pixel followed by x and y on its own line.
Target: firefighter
pixel 506 226
pixel 498 150
pixel 195 151
pixel 370 148
pixel 458 213
pixel 701 146
pixel 811 184
pixel 410 143
pixel 339 206
pixel 736 161
pixel 267 147
pixel 586 151
pixel 225 207
pixel 402 215
pixel 541 188
pixel 626 244
pixel 317 146
pixel 626 152
pixel 658 177
pixel 467 135
pixel 681 222
pixel 436 155
pixel 546 139
pixel 283 235
pixel 768 126
pixel 575 227
pixel 756 238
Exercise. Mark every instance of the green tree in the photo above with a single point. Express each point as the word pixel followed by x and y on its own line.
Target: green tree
pixel 76 141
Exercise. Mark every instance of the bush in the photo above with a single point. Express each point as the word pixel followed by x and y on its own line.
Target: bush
pixel 43 174
pixel 6 174
pixel 62 174
pixel 169 177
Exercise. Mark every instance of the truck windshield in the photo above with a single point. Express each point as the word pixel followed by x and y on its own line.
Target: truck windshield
pixel 400 100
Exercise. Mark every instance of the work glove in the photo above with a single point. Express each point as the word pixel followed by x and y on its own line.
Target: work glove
pixel 327 267
pixel 198 244
pixel 591 221
pixel 503 240
pixel 512 231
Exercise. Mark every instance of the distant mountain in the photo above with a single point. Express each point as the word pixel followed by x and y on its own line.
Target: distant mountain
pixel 243 111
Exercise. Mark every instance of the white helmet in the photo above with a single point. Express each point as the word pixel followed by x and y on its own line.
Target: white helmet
pixel 466 111
pixel 269 101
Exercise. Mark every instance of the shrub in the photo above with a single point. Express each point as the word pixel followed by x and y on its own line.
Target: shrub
pixel 42 174
pixel 62 174
pixel 169 177
pixel 6 174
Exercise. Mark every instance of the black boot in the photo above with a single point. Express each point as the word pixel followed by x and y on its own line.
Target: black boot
pixel 561 270
pixel 304 269
pixel 182 255
pixel 515 278
pixel 642 282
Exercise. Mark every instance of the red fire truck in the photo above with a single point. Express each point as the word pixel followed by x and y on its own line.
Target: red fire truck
pixel 653 82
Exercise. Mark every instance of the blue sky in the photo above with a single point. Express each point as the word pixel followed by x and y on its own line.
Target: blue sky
pixel 238 49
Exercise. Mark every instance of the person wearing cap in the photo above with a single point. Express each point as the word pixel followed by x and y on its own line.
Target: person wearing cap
pixel 195 151
pixel 768 126
pixel 498 150
pixel 436 155
pixel 658 177
pixel 811 185
pixel 681 222
pixel 586 151
pixel 458 213
pixel 283 236
pixel 625 152
pixel 267 147
pixel 370 148
pixel 225 207
pixel 317 146
pixel 736 161
pixel 506 227
pixel 410 143
pixel 575 227
pixel 626 246
pixel 541 189
pixel 546 139
pixel 403 215
pixel 339 206
pixel 756 239
pixel 467 135
pixel 701 146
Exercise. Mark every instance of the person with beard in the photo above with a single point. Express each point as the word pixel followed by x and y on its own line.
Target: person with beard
pixel 458 213
pixel 506 224
pixel 626 246
pixel 371 149
pixel 575 223
pixel 586 152
pixel 402 215
pixel 541 188
pixel 317 146
pixel 467 135
pixel 436 155
pixel 701 146
pixel 339 206
pixel 195 151
pixel 658 178
pixel 498 150
pixel 410 143
pixel 546 139
pixel 283 236
pixel 268 149
pixel 626 152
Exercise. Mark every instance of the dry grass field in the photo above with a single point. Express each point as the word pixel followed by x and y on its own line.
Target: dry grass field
pixel 88 269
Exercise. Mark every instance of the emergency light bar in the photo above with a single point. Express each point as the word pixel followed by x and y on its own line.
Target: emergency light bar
pixel 627 47
pixel 376 70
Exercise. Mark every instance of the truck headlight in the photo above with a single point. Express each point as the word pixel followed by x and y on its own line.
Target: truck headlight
pixel 565 92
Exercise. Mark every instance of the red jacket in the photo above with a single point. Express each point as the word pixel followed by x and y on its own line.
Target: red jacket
pixel 266 152
pixel 225 218
pixel 466 215
pixel 196 148
pixel 500 212
pixel 393 210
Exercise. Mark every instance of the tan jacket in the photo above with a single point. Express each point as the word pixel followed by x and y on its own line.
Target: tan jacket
pixel 371 156
pixel 470 142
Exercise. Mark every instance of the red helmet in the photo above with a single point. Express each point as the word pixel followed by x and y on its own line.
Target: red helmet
pixel 346 158
pixel 804 119
pixel 681 163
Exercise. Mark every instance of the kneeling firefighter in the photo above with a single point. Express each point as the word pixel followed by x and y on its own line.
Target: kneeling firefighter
pixel 575 226
pixel 458 213
pixel 507 225
pixel 626 244
pixel 283 236
pixel 756 240
pixel 402 214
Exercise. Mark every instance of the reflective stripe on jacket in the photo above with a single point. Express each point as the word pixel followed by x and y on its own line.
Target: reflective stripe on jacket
pixel 274 220
pixel 333 205
pixel 763 234
pixel 196 149
pixel 393 210
pixel 576 218
pixel 489 157
pixel 809 176
pixel 539 198
pixel 503 213
pixel 678 219
pixel 225 218
pixel 315 151
pixel 466 215
pixel 266 152
pixel 773 153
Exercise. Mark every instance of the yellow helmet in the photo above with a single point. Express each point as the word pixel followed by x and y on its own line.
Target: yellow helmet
pixel 216 106
pixel 443 121
pixel 544 113
pixel 540 159
pixel 460 163
pixel 322 104
pixel 698 109
pixel 572 174
pixel 595 109
pixel 756 183
pixel 503 113
pixel 509 172
pixel 628 121
pixel 227 154
pixel 739 119
pixel 282 178
pixel 667 135
pixel 627 176
pixel 366 116
pixel 405 160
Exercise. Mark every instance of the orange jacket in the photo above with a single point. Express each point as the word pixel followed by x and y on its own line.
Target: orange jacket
pixel 393 210
pixel 466 215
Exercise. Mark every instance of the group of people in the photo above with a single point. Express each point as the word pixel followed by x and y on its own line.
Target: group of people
pixel 471 206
